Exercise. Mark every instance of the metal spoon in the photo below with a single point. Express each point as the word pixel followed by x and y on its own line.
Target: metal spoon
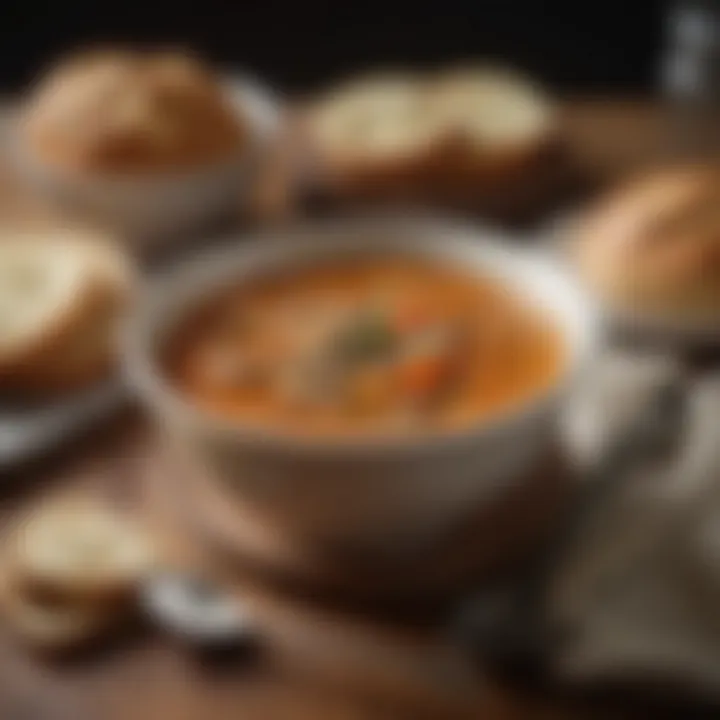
pixel 196 610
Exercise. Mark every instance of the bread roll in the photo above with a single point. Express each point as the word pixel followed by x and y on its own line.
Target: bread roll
pixel 62 293
pixel 77 552
pixel 120 112
pixel 51 627
pixel 71 568
pixel 652 247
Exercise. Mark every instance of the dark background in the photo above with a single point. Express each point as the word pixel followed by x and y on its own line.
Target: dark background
pixel 573 46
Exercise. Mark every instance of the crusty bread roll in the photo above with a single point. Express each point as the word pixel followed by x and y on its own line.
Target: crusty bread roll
pixel 76 551
pixel 422 136
pixel 126 112
pixel 62 293
pixel 652 247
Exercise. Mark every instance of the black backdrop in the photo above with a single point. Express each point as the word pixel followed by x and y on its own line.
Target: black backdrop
pixel 580 45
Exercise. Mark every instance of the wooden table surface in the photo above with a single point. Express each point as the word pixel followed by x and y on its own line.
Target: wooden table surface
pixel 315 663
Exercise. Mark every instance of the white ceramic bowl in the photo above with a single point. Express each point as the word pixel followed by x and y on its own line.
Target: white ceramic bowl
pixel 361 493
pixel 149 210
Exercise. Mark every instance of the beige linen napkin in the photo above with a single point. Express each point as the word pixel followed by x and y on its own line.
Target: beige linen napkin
pixel 640 591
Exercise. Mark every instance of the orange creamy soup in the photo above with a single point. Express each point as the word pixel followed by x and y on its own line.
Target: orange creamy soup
pixel 377 345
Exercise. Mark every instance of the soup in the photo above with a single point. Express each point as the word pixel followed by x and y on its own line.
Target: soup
pixel 369 345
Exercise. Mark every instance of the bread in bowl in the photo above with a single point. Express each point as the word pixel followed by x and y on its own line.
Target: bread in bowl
pixel 150 144
pixel 118 112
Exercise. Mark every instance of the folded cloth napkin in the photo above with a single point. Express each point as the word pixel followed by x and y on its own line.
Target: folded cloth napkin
pixel 639 592
pixel 636 591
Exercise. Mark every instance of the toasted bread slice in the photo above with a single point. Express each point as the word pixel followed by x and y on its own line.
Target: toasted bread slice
pixel 77 551
pixel 61 294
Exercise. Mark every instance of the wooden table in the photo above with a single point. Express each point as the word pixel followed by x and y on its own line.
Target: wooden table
pixel 315 662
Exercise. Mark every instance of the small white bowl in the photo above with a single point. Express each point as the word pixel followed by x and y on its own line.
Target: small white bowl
pixel 153 209
pixel 369 493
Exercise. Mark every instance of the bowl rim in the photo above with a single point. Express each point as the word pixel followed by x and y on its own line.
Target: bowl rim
pixel 425 236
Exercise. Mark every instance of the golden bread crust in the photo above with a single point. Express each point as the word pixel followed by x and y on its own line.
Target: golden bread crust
pixel 653 245
pixel 118 112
